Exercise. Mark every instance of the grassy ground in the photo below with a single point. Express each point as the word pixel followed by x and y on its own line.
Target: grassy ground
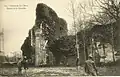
pixel 59 71
pixel 110 70
pixel 44 71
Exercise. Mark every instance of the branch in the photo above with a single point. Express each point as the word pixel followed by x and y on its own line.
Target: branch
pixel 111 9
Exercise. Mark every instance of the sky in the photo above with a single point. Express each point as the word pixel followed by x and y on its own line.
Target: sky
pixel 17 22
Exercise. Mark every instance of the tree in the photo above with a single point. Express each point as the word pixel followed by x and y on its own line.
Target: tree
pixel 74 17
pixel 65 46
pixel 80 23
pixel 27 49
pixel 110 10
pixel 52 26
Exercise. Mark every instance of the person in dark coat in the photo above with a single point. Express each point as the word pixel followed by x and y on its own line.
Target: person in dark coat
pixel 25 63
pixel 19 65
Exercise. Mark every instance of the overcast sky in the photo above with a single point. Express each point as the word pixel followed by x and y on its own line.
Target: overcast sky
pixel 17 22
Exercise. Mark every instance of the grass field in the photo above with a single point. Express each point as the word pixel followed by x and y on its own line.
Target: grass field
pixel 43 71
pixel 57 71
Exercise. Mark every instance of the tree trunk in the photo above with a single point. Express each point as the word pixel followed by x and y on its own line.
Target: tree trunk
pixel 84 45
pixel 92 41
pixel 112 44
pixel 104 51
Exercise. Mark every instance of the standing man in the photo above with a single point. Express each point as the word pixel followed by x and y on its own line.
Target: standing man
pixel 19 65
pixel 25 62
pixel 90 67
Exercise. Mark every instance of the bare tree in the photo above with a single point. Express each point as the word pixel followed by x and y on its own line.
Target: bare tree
pixel 73 11
pixel 79 16
pixel 83 20
pixel 82 11
pixel 109 13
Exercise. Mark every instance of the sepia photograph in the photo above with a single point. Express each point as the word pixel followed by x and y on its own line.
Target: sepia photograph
pixel 59 38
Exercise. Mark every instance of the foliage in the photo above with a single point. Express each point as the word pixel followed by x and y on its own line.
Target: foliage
pixel 27 49
pixel 52 27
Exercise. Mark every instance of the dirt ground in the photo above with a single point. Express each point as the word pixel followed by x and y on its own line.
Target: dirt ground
pixel 57 71
pixel 43 71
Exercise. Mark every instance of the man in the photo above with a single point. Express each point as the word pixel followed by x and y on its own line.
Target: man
pixel 19 65
pixel 90 67
pixel 25 63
